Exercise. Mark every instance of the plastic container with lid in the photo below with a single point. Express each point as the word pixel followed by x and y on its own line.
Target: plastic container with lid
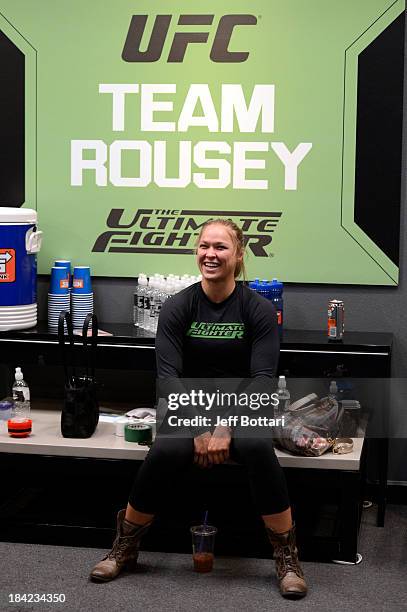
pixel 20 241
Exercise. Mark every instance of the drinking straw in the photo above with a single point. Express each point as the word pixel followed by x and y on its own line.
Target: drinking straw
pixel 205 522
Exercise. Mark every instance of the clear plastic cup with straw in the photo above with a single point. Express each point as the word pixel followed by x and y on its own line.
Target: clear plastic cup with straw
pixel 203 542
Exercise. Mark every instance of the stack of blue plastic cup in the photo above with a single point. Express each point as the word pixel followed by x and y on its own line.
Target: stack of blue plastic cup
pixel 64 263
pixel 82 295
pixel 58 296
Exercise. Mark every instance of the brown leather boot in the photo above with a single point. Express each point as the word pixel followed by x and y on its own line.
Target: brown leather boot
pixel 124 552
pixel 288 569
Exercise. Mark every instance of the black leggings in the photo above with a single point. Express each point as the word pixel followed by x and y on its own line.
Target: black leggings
pixel 169 457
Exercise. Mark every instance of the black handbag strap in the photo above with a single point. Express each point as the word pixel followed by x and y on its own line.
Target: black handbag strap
pixel 90 355
pixel 64 316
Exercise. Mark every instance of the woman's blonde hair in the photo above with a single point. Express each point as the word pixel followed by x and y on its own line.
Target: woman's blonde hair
pixel 237 237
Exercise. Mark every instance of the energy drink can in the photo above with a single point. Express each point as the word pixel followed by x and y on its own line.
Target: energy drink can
pixel 336 319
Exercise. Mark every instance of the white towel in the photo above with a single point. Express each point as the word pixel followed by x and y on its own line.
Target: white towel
pixel 147 414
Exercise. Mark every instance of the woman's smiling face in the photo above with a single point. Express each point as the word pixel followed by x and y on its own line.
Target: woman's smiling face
pixel 217 253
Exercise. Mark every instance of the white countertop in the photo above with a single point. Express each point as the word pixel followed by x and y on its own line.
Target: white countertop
pixel 46 439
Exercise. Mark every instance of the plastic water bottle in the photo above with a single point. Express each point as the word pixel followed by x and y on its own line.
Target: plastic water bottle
pixel 333 390
pixel 136 316
pixel 139 300
pixel 276 296
pixel 161 296
pixel 263 288
pixel 283 395
pixel 171 289
pixel 143 286
pixel 153 303
pixel 254 284
pixel 145 317
pixel 165 291
pixel 21 397
pixel 148 298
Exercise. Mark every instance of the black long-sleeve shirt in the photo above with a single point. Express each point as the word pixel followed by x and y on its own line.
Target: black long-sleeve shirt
pixel 236 338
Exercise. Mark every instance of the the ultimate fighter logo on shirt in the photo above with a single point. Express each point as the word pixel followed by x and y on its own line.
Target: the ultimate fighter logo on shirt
pixel 216 330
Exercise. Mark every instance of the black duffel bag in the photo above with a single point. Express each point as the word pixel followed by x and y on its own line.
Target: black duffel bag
pixel 80 411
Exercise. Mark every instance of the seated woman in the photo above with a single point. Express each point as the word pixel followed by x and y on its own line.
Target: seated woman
pixel 252 353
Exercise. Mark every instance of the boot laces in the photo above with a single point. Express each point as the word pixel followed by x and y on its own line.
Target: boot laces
pixel 120 546
pixel 287 561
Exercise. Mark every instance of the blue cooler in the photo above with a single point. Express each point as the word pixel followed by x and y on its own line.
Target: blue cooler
pixel 20 242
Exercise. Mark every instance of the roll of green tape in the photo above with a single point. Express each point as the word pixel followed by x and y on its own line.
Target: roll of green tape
pixel 138 432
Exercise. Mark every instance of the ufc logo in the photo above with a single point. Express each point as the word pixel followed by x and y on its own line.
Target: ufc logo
pixel 181 40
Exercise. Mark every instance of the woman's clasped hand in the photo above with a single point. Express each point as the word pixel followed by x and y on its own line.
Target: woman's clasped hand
pixel 210 449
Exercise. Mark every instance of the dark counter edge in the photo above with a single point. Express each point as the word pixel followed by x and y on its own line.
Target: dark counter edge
pixel 127 334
